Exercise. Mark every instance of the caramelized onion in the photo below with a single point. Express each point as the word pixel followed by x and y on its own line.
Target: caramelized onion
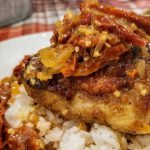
pixel 145 53
pixel 52 57
pixel 109 24
pixel 48 73
pixel 100 44
pixel 140 65
pixel 70 66
pixel 141 21
pixel 87 30
pixel 94 64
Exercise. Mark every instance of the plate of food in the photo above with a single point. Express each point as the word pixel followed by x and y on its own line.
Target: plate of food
pixel 88 89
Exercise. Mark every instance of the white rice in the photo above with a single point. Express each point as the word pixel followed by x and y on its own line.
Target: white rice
pixel 67 135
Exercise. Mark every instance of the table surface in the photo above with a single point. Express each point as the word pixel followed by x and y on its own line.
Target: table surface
pixel 47 12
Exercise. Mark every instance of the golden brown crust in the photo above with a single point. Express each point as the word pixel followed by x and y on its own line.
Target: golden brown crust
pixel 120 113
pixel 102 84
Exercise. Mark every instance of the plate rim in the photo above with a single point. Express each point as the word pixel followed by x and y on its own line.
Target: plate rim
pixel 24 36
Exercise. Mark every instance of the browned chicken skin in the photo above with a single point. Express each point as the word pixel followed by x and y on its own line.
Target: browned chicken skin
pixel 97 69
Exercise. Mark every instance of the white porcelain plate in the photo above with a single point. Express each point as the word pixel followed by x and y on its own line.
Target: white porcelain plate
pixel 13 50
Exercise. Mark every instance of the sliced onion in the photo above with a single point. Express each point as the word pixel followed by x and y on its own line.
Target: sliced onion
pixel 99 46
pixel 53 57
pixel 54 60
pixel 48 73
pixel 145 53
pixel 140 65
pixel 87 30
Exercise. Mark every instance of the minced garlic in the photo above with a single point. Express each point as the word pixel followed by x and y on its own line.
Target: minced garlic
pixel 96 54
pixel 15 88
pixel 117 93
pixel 76 49
pixel 144 92
pixel 11 131
pixel 86 58
pixel 88 43
pixel 65 111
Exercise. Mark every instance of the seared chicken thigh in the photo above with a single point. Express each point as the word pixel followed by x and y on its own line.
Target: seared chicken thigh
pixel 97 69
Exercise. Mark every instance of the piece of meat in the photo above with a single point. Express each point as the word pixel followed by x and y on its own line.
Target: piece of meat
pixel 104 81
pixel 122 105
pixel 125 112
pixel 24 138
pixel 108 79
pixel 105 78
pixel 101 85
